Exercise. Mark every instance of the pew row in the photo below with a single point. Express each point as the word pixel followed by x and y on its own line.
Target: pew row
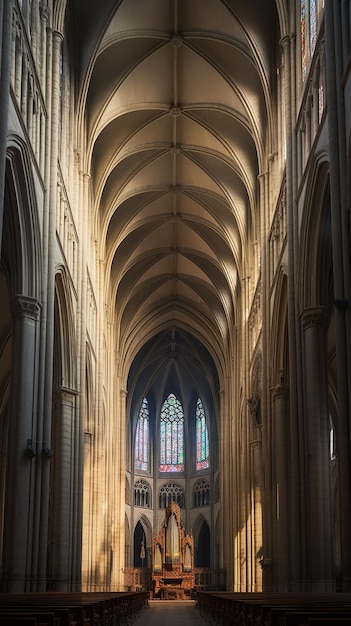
pixel 274 609
pixel 71 609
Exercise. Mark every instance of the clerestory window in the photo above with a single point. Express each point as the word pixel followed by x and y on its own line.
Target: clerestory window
pixel 310 17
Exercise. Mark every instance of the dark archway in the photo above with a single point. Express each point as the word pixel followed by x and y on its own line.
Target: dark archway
pixel 202 548
pixel 139 546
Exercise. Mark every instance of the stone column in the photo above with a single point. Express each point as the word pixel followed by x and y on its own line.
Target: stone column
pixel 317 432
pixel 256 512
pixel 340 230
pixel 281 417
pixel 297 564
pixel 62 486
pixel 22 445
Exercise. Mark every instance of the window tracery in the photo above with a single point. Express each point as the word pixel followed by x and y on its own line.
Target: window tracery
pixel 172 435
pixel 142 494
pixel 201 493
pixel 171 492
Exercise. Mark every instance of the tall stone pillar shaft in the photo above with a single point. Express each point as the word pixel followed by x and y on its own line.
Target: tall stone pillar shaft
pixel 22 445
pixel 280 417
pixel 336 41
pixel 256 512
pixel 317 429
pixel 62 488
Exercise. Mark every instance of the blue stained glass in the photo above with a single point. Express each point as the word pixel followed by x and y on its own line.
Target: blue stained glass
pixel 313 25
pixel 202 440
pixel 142 438
pixel 172 435
pixel 303 38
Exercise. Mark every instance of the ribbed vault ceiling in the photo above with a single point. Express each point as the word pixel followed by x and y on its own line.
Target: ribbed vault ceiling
pixel 176 106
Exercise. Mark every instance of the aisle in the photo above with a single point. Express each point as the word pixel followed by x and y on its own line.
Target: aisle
pixel 171 613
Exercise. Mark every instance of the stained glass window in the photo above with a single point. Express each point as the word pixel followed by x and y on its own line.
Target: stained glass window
pixel 172 435
pixel 303 39
pixel 202 443
pixel 310 15
pixel 142 438
pixel 313 25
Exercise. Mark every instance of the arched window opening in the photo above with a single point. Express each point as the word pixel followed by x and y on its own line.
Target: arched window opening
pixel 202 442
pixel 171 492
pixel 332 442
pixel 201 494
pixel 142 494
pixel 172 435
pixel 202 549
pixel 142 438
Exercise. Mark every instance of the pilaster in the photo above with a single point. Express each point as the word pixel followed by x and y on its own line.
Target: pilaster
pixel 314 321
pixel 281 456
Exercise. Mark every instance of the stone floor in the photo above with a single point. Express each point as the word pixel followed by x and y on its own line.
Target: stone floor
pixel 171 613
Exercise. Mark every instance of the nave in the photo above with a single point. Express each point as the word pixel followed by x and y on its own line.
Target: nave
pixel 171 613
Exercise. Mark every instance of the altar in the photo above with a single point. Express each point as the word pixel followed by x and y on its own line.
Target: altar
pixel 173 558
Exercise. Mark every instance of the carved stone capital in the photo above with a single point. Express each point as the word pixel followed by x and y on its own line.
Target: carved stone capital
pixel 24 306
pixel 314 317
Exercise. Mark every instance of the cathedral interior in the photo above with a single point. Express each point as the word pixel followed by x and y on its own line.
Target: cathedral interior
pixel 175 288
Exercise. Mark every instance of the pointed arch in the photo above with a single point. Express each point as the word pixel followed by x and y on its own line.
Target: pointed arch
pixel 21 243
pixel 202 539
pixel 142 541
pixel 315 271
pixel 65 346
pixel 279 349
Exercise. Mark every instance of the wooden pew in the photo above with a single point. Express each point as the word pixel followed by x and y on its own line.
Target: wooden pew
pixel 270 609
pixel 39 617
pixel 79 608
